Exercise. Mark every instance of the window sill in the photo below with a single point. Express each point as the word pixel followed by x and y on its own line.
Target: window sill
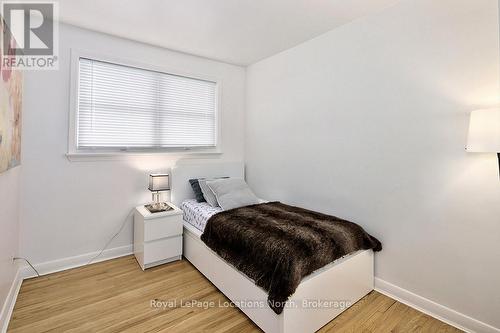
pixel 121 156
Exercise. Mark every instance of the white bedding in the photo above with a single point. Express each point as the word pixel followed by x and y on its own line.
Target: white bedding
pixel 198 213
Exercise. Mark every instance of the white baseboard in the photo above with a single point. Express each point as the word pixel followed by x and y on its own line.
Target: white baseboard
pixel 76 261
pixel 431 308
pixel 8 306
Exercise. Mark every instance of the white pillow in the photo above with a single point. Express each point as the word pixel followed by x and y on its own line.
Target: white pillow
pixel 232 193
pixel 207 192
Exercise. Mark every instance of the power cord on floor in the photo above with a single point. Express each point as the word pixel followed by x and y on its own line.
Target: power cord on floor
pixel 112 238
pixel 21 258
pixel 93 258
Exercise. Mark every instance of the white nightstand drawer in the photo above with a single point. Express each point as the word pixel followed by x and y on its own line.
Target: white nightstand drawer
pixel 157 236
pixel 163 248
pixel 167 226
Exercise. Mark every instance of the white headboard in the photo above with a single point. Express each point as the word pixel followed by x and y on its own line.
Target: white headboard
pixel 181 173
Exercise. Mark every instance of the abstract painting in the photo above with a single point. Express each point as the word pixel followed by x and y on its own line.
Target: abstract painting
pixel 11 89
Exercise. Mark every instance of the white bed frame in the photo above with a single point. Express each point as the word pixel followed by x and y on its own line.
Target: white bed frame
pixel 338 285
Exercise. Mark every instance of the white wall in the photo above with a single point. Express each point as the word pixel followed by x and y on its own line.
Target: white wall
pixel 72 208
pixel 369 122
pixel 9 231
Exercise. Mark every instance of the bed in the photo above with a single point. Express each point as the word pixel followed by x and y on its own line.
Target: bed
pixel 323 294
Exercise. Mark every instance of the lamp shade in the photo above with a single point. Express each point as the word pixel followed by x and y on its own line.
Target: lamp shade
pixel 159 182
pixel 484 131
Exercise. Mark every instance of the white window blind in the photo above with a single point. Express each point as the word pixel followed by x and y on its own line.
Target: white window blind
pixel 122 107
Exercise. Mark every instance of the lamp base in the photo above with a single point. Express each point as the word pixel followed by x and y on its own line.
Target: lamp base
pixel 158 207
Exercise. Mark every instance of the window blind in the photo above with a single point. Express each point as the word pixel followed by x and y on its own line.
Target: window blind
pixel 122 107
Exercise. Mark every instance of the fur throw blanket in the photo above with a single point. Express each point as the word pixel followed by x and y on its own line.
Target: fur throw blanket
pixel 276 245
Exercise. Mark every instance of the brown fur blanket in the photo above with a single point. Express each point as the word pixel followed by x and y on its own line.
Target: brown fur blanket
pixel 277 245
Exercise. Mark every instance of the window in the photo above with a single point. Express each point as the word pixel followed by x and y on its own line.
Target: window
pixel 128 108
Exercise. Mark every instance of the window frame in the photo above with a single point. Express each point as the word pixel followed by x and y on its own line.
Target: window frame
pixel 75 153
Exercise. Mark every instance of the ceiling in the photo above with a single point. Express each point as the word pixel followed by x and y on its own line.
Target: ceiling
pixel 234 31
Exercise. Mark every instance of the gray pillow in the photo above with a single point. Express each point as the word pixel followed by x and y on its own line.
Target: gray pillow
pixel 207 193
pixel 232 193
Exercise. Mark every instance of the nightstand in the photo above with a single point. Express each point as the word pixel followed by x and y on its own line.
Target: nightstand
pixel 157 236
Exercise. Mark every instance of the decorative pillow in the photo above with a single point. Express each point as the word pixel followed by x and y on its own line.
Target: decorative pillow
pixel 198 194
pixel 207 193
pixel 232 193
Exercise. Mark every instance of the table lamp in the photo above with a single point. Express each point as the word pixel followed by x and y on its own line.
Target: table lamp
pixel 158 182
pixel 484 132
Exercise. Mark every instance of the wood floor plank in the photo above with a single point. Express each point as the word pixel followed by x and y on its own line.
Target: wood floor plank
pixel 354 317
pixel 117 296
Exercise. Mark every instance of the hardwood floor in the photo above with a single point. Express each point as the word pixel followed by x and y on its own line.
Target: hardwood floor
pixel 116 296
